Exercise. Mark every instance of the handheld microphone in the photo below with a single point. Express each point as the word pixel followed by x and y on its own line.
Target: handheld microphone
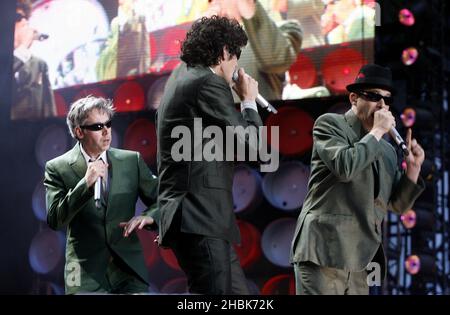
pixel 259 99
pixel 98 192
pixel 40 36
pixel 398 140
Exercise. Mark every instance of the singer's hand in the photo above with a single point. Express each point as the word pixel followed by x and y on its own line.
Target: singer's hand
pixel 246 87
pixel 383 121
pixel 246 8
pixel 95 170
pixel 138 221
pixel 236 9
pixel 415 158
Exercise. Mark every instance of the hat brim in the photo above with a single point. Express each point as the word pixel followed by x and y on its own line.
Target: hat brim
pixel 355 87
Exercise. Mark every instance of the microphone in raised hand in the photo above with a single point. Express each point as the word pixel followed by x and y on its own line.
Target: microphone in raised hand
pixel 399 140
pixel 98 192
pixel 261 101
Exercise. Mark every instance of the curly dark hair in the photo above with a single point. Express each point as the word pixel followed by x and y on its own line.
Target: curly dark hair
pixel 207 37
pixel 25 6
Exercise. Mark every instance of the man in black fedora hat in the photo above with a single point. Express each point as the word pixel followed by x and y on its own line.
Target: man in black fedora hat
pixel 355 179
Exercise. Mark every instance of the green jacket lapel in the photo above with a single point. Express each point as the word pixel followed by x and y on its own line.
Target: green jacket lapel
pixel 113 161
pixel 77 161
pixel 357 128
pixel 354 124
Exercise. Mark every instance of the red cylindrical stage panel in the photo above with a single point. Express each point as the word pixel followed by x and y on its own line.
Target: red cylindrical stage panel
pixel 141 136
pixel 169 258
pixel 247 193
pixel 286 188
pixel 249 250
pixel 303 72
pixel 340 68
pixel 295 131
pixel 149 247
pixel 279 285
pixel 129 97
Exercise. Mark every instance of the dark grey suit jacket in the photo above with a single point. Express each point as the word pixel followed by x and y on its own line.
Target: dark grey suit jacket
pixel 201 190
pixel 32 95
pixel 354 180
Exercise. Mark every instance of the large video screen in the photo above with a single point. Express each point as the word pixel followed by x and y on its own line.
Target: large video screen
pixel 297 48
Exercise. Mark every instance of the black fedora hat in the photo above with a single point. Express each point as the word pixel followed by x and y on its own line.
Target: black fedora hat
pixel 372 76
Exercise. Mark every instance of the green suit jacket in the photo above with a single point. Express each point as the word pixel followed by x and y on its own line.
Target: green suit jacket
pixel 354 180
pixel 92 234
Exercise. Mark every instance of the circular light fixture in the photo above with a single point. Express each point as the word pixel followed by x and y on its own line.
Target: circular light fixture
pixel 410 56
pixel 408 117
pixel 406 17
pixel 412 264
pixel 409 219
pixel 420 264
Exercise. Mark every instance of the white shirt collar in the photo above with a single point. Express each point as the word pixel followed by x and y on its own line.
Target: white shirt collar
pixel 88 158
pixel 22 53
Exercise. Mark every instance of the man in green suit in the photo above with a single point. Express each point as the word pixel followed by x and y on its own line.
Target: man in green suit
pixel 102 253
pixel 195 192
pixel 354 180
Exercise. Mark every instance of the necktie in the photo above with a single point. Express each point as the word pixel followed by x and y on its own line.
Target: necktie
pixel 376 178
pixel 105 183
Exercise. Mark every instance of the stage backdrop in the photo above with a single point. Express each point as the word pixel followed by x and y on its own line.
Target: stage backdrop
pixel 83 42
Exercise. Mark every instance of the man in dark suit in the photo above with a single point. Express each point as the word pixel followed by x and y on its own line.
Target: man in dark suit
pixel 354 180
pixel 102 253
pixel 195 198
pixel 32 94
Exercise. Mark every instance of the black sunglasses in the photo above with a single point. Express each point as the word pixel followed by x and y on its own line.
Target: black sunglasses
pixel 97 126
pixel 375 97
